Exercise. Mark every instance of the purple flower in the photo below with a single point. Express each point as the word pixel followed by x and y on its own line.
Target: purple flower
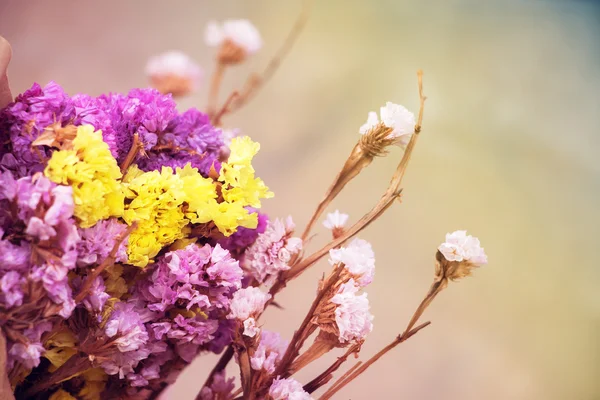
pixel 220 388
pixel 25 119
pixel 189 138
pixel 98 241
pixel 126 326
pixel 28 353
pixel 94 111
pixel 11 286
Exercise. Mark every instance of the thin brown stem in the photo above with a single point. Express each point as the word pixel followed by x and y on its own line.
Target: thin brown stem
pixel 220 366
pixel 364 366
pixel 108 261
pixel 136 146
pixel 326 375
pixel 255 82
pixel 73 366
pixel 215 85
pixel 225 108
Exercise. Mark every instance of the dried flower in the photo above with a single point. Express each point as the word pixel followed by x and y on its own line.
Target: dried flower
pixel 287 389
pixel 458 255
pixel 352 315
pixel 173 72
pixel 245 305
pixel 269 352
pixel 220 388
pixel 396 121
pixel 358 259
pixel 272 251
pixel 237 39
pixel 335 220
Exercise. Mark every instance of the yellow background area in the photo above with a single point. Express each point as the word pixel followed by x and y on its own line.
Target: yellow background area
pixel 509 151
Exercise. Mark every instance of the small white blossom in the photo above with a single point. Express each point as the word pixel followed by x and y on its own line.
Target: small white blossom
pixel 335 220
pixel 174 63
pixel 269 352
pixel 392 116
pixel 250 328
pixel 288 389
pixel 462 247
pixel 358 258
pixel 239 31
pixel 247 302
pixel 352 315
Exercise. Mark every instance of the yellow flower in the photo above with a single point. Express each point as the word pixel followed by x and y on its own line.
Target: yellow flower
pixel 115 284
pixel 95 382
pixel 60 347
pixel 61 395
pixel 91 170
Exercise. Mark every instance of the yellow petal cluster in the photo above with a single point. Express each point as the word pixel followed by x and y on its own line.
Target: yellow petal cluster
pixel 91 170
pixel 95 382
pixel 59 348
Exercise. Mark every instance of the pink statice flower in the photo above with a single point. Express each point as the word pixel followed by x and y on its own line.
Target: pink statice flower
pixel 269 352
pixel 220 388
pixel 358 259
pixel 288 389
pixel 352 315
pixel 272 251
pixel 462 247
pixel 335 220
pixel 392 116
pixel 241 32
pixel 245 305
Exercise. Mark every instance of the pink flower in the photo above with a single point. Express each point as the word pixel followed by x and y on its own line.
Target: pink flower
pixel 335 220
pixel 352 314
pixel 269 352
pixel 462 247
pixel 358 258
pixel 288 389
pixel 245 305
pixel 272 251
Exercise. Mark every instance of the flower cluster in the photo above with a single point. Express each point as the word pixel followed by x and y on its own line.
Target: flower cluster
pixel 121 231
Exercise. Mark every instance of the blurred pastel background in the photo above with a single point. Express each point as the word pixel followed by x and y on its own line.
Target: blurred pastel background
pixel 509 151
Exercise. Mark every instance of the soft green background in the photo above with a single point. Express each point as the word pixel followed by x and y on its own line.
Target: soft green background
pixel 509 151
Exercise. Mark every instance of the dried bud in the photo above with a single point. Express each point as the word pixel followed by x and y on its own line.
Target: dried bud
pixel 335 222
pixel 236 38
pixel 173 72
pixel 396 126
pixel 458 255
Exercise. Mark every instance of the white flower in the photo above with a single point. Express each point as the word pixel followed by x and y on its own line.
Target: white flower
pixel 250 328
pixel 239 31
pixel 174 63
pixel 288 389
pixel 247 302
pixel 269 352
pixel 358 258
pixel 335 220
pixel 392 116
pixel 352 315
pixel 462 247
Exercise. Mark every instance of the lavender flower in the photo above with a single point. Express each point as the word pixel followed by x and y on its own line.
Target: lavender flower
pixel 272 251
pixel 220 388
pixel 98 241
pixel 29 353
pixel 269 352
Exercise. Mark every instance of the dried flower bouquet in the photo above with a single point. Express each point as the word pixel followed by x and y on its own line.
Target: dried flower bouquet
pixel 132 241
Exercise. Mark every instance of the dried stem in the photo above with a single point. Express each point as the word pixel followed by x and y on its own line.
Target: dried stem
pixel 215 84
pixel 338 385
pixel 73 366
pixel 300 335
pixel 136 146
pixel 108 261
pixel 255 82
pixel 225 108
pixel 326 376
pixel 220 366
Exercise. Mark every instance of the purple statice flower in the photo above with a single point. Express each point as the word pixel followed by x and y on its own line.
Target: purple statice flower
pixel 269 352
pixel 126 327
pixel 29 353
pixel 93 111
pixel 189 333
pixel 288 389
pixel 199 144
pixel 42 212
pixel 96 299
pixel 98 241
pixel 220 388
pixel 202 277
pixel 272 251
pixel 245 237
pixel 11 286
pixel 22 121
pixel 142 111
